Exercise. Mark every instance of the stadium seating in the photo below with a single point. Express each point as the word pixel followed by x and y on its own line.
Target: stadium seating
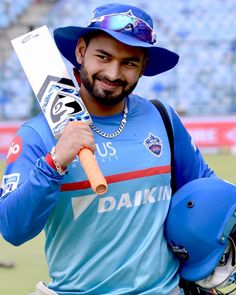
pixel 10 10
pixel 202 32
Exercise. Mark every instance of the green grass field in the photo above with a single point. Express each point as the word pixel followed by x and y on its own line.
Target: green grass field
pixel 30 266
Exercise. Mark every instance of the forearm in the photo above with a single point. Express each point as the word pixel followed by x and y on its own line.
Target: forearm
pixel 24 211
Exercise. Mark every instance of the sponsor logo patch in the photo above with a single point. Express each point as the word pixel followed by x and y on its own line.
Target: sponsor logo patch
pixel 15 150
pixel 180 251
pixel 154 144
pixel 10 183
pixel 121 202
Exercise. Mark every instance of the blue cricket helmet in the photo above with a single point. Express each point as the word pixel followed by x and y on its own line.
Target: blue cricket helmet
pixel 201 217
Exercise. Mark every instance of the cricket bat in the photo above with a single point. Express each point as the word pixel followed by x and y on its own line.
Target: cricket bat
pixel 56 93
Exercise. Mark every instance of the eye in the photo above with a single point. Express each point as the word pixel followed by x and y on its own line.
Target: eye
pixel 131 64
pixel 103 57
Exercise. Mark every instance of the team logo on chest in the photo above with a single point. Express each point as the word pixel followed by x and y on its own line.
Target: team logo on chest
pixel 154 144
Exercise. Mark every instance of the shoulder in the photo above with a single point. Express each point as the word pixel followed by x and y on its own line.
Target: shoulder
pixel 36 129
pixel 38 122
pixel 138 104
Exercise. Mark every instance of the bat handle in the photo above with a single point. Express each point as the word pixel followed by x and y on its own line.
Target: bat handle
pixel 93 172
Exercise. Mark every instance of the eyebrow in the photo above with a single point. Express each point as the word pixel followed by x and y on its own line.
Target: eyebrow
pixel 132 58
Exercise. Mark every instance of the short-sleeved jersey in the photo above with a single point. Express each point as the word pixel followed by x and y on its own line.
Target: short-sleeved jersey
pixel 101 244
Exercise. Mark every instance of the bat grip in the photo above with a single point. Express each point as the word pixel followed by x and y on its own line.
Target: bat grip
pixel 92 170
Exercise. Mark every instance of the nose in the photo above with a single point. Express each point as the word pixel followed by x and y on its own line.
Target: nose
pixel 113 71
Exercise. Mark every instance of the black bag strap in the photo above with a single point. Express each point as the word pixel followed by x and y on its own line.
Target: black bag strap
pixel 166 119
pixel 190 288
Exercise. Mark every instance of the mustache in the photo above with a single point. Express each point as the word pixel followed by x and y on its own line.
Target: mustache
pixel 119 82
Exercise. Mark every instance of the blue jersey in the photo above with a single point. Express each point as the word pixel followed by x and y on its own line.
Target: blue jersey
pixel 101 244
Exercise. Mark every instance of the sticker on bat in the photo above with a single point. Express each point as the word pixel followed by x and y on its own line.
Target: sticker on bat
pixel 60 102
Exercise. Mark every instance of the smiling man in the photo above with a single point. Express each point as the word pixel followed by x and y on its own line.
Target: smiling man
pixel 112 243
pixel 115 69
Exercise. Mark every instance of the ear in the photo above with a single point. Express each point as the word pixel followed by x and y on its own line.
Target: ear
pixel 77 76
pixel 80 50
pixel 143 66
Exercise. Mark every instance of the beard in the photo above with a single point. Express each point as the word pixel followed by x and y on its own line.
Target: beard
pixel 104 97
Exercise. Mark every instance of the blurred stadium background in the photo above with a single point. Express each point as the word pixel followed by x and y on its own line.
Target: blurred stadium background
pixel 201 88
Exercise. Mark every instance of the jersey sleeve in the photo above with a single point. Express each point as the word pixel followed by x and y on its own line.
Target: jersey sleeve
pixel 29 188
pixel 189 163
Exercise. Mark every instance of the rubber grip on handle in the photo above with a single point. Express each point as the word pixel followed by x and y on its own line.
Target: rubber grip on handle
pixel 93 172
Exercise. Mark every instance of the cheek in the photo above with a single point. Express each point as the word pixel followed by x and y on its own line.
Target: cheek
pixel 132 76
pixel 92 68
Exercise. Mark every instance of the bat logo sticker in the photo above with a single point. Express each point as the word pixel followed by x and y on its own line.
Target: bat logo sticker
pixel 64 104
pixel 60 102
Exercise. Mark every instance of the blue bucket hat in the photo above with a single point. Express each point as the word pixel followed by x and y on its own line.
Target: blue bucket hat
pixel 127 24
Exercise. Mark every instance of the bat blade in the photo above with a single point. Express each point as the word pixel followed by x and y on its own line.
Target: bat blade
pixel 48 76
pixel 56 93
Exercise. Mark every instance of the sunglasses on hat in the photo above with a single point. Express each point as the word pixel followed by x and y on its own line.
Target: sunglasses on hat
pixel 125 23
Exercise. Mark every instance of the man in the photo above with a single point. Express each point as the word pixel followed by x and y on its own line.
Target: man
pixel 114 243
